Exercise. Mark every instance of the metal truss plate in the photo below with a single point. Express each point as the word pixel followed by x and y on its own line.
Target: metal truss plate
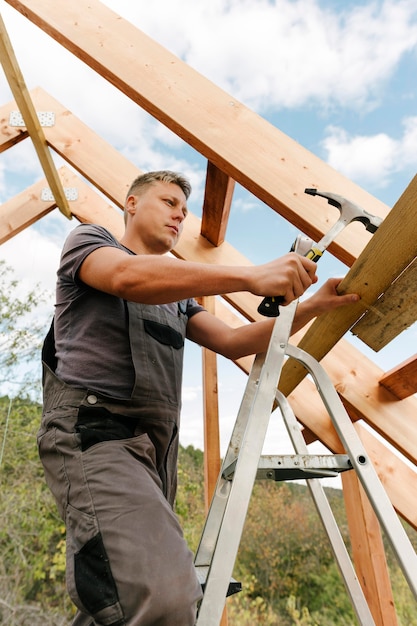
pixel 46 118
pixel 71 193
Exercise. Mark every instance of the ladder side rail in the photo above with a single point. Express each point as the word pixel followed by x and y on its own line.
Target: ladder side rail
pixel 325 512
pixel 361 462
pixel 231 528
pixel 218 503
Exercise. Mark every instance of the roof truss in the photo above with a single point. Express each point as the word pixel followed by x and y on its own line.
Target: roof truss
pixel 211 121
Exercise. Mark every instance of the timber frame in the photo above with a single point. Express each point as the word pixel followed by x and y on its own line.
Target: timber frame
pixel 382 404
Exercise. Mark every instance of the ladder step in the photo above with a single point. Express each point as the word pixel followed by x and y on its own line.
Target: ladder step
pixel 202 573
pixel 296 466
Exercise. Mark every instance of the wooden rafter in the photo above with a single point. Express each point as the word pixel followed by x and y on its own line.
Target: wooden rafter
pixel 150 79
pixel 21 94
pixel 216 207
pixel 26 208
pixel 402 379
pixel 368 551
pixel 372 274
pixel 206 117
pixel 393 312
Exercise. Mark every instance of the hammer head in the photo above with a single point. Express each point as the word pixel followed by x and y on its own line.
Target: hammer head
pixel 349 211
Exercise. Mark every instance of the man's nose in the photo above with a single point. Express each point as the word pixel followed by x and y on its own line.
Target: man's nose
pixel 179 215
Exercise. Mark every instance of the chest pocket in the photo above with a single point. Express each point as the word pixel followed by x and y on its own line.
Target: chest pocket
pixel 164 334
pixel 157 345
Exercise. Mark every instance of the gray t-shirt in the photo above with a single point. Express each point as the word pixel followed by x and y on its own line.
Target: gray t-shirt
pixel 91 327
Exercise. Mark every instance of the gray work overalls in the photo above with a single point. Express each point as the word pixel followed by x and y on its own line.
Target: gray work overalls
pixel 111 465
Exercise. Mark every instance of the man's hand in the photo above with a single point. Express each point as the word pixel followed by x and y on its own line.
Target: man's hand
pixel 289 276
pixel 327 298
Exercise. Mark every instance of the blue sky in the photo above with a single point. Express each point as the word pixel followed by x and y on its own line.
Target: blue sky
pixel 339 77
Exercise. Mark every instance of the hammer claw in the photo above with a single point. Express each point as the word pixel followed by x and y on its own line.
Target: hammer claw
pixel 349 212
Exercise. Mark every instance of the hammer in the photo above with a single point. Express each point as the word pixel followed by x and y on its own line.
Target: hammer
pixel 349 212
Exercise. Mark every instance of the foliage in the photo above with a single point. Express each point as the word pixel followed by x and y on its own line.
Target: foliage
pixel 21 331
pixel 31 576
pixel 285 563
pixel 286 567
pixel 190 496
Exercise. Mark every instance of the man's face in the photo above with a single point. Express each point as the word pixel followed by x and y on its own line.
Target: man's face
pixel 156 217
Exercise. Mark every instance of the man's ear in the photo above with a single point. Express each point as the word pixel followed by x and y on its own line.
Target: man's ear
pixel 130 205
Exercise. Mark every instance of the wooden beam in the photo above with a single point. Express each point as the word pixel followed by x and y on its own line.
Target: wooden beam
pixel 216 206
pixel 211 414
pixel 23 210
pixel 372 273
pixel 206 117
pixel 402 379
pixel 21 94
pixel 26 208
pixel 368 552
pixel 394 311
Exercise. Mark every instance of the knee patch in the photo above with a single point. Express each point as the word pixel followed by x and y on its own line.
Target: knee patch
pixel 94 581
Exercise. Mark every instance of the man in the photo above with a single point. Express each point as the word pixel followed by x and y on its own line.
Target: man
pixel 112 393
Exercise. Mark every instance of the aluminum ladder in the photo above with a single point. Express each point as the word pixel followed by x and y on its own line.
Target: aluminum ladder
pixel 244 463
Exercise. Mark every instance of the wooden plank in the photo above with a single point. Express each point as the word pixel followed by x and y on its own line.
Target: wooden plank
pixel 368 552
pixel 23 210
pixel 402 379
pixel 96 159
pixel 216 206
pixel 26 208
pixel 206 117
pixel 394 311
pixel 371 274
pixel 21 94
pixel 211 415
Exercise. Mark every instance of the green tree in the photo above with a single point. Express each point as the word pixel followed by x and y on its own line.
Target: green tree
pixel 32 576
pixel 21 333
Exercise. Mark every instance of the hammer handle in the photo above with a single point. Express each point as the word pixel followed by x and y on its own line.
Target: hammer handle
pixel 269 306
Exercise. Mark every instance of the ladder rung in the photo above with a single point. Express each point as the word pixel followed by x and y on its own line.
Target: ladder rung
pixel 202 573
pixel 296 466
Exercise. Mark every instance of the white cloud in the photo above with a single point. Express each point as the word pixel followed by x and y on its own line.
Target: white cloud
pixel 33 257
pixel 269 54
pixel 372 159
pixel 284 53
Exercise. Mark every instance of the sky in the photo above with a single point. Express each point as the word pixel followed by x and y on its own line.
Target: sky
pixel 337 76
